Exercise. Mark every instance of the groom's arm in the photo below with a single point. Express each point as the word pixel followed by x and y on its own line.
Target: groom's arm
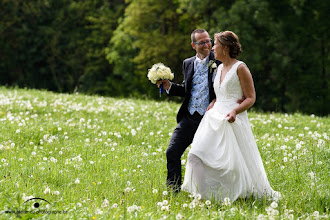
pixel 178 89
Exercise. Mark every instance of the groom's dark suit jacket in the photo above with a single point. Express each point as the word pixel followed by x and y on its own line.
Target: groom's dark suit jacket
pixel 184 89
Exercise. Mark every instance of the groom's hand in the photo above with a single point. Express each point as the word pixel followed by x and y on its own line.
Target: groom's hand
pixel 166 83
pixel 241 100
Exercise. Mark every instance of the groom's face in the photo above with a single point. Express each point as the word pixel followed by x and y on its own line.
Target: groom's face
pixel 203 49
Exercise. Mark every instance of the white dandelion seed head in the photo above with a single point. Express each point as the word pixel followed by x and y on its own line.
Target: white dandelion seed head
pixel 208 202
pixel 47 190
pixel 274 205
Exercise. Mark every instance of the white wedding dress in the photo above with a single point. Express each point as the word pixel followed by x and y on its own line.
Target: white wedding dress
pixel 224 160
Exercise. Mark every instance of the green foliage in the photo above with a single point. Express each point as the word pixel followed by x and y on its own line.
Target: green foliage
pixel 150 32
pixel 107 47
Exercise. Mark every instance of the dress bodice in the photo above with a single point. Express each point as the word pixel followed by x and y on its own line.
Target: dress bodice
pixel 230 88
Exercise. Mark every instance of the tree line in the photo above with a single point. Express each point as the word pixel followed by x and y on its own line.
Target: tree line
pixel 107 46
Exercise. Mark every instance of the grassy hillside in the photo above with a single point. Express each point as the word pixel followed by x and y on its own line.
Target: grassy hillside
pixel 92 157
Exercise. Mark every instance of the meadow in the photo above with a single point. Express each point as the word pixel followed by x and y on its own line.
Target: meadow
pixel 72 156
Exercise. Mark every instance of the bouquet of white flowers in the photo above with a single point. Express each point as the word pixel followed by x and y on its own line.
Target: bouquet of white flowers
pixel 158 72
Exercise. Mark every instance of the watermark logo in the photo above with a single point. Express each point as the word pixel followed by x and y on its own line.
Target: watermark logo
pixel 36 206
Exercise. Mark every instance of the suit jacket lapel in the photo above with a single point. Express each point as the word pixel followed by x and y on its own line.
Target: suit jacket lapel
pixel 190 73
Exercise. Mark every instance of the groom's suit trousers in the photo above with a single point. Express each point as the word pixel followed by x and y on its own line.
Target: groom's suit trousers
pixel 181 138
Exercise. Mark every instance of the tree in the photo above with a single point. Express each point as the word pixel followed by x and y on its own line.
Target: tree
pixel 150 32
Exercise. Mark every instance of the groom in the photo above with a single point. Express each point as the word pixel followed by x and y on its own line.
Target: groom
pixel 197 90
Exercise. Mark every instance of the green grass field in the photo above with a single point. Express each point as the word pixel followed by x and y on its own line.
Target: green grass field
pixel 89 157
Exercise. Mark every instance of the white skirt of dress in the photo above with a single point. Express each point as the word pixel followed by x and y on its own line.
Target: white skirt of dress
pixel 224 160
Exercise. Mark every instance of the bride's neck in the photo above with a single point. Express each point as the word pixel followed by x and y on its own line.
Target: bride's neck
pixel 229 62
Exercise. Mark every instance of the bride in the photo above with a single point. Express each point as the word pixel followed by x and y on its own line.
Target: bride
pixel 224 160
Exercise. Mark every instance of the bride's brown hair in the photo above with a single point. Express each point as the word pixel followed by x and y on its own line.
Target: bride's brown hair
pixel 230 39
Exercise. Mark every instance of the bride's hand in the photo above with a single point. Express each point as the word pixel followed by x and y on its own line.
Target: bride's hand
pixel 211 105
pixel 231 116
pixel 166 83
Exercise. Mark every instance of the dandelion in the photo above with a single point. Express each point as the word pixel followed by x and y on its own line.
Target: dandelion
pixel 226 202
pixel 165 193
pixel 79 204
pixel 165 202
pixel 192 205
pixel 155 191
pixel 105 203
pixel 208 202
pixel 98 212
pixel 56 193
pixel 77 181
pixel 114 206
pixel 47 190
pixel 261 217
pixel 179 216
pixel 274 205
pixel 165 208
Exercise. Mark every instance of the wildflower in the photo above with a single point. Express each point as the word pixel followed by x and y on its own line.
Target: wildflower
pixel 56 193
pixel 77 181
pixel 115 205
pixel 316 214
pixel 98 212
pixel 226 202
pixel 165 193
pixel 274 205
pixel 165 208
pixel 198 196
pixel 179 216
pixel 47 190
pixel 155 191
pixel 105 203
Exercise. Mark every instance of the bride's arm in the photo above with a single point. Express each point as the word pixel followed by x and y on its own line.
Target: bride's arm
pixel 246 80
